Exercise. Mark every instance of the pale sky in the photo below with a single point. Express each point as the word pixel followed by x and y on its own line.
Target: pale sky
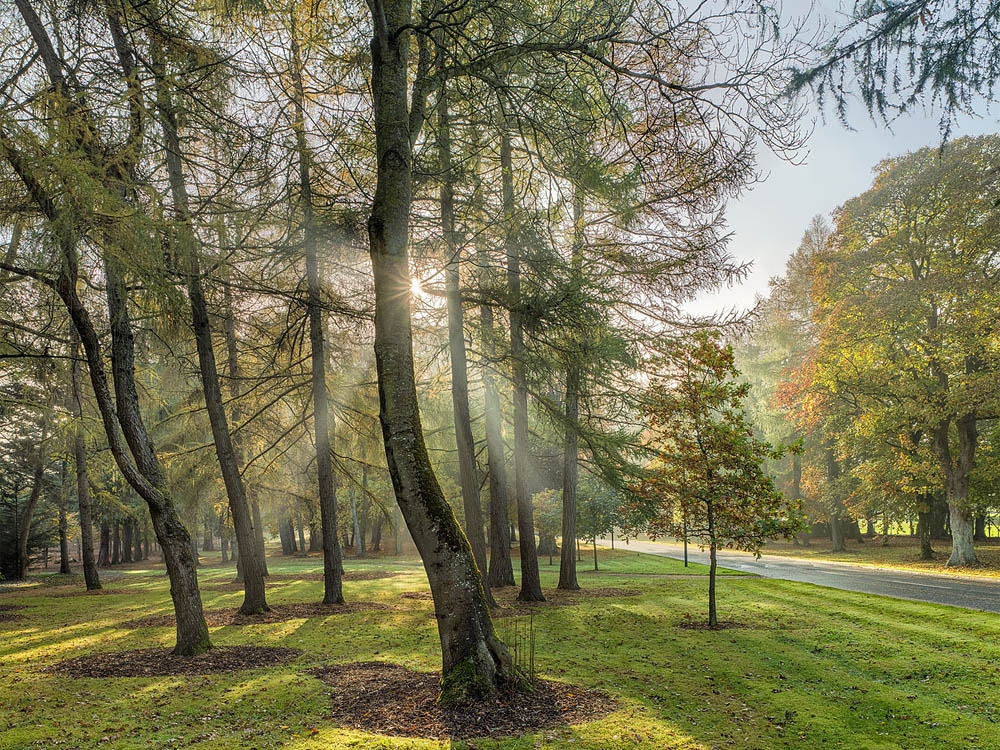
pixel 769 221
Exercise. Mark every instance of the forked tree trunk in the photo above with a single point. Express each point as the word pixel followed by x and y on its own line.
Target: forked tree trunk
pixel 251 563
pixel 474 661
pixel 467 471
pixel 333 592
pixel 956 473
pixel 531 585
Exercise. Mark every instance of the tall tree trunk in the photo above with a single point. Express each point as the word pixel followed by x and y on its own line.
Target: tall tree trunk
pixel 834 502
pixel 90 574
pixel 63 522
pixel 251 565
pixel 125 554
pixel 713 546
pixel 333 592
pixel 28 514
pixel 474 661
pixel 116 543
pixel 235 391
pixel 144 475
pixel 359 539
pixel 956 472
pixel 531 586
pixel 467 471
pixel 501 572
pixel 302 532
pixel 567 566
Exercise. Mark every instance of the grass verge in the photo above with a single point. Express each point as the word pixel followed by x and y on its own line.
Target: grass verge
pixel 808 667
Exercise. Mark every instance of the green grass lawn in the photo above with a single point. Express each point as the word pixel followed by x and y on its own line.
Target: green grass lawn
pixel 808 668
pixel 901 552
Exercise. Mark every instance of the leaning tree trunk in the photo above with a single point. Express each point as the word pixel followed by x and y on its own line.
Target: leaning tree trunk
pixel 467 472
pixel 251 566
pixel 474 661
pixel 501 572
pixel 956 472
pixel 144 475
pixel 531 585
pixel 333 592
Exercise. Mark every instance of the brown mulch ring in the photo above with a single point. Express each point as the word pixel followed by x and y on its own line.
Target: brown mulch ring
pixel 420 596
pixel 510 606
pixel 389 699
pixel 157 662
pixel 9 612
pixel 279 613
pixel 349 575
pixel 692 624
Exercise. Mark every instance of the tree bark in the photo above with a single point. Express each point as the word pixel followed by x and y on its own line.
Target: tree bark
pixel 251 566
pixel 332 554
pixel 37 479
pixel 90 574
pixel 501 570
pixel 467 471
pixel 474 661
pixel 531 586
pixel 956 472
pixel 64 568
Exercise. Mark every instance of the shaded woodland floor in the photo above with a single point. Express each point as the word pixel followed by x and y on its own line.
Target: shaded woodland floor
pixel 802 666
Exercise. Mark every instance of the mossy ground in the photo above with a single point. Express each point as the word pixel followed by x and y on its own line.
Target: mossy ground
pixel 810 667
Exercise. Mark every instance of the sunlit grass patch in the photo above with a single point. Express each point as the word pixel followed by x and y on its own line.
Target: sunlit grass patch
pixel 811 667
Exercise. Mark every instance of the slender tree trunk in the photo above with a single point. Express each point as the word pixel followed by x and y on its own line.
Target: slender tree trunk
pixel 359 540
pixel 474 661
pixel 90 573
pixel 302 533
pixel 332 554
pixel 251 566
pixel 64 568
pixel 501 570
pixel 835 505
pixel 713 615
pixel 531 586
pixel 235 391
pixel 567 566
pixel 125 555
pixel 28 514
pixel 467 471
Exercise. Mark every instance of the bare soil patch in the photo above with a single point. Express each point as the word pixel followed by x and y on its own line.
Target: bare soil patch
pixel 278 613
pixel 11 612
pixel 703 625
pixel 157 662
pixel 392 700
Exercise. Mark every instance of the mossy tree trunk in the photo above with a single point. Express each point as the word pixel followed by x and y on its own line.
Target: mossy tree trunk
pixel 474 661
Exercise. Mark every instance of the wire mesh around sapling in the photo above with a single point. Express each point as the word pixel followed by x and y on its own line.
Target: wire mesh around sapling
pixel 519 635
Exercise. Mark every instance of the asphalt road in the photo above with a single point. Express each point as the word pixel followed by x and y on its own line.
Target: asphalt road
pixel 956 591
